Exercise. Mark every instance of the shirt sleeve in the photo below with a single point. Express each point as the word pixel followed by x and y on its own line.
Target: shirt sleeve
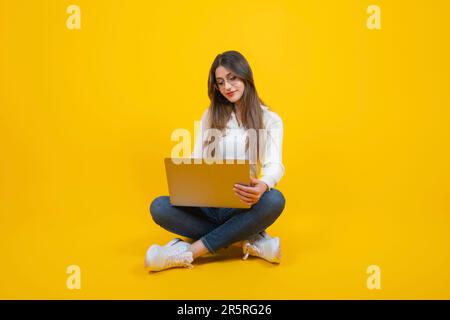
pixel 273 168
pixel 198 144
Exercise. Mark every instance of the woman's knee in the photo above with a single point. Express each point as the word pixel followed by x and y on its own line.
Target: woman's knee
pixel 158 208
pixel 274 201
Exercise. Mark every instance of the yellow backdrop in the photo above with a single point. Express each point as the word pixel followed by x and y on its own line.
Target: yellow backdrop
pixel 86 117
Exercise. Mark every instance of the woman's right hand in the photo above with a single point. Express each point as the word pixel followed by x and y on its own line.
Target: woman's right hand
pixel 250 194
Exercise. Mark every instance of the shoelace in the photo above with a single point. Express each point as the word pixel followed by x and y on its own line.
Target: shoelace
pixel 251 249
pixel 180 260
pixel 255 250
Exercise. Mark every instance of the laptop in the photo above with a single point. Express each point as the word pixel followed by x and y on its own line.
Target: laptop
pixel 195 183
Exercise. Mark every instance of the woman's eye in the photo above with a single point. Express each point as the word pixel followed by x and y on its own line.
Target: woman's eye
pixel 232 78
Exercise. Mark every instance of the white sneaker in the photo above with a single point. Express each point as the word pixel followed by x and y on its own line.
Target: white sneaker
pixel 173 254
pixel 263 246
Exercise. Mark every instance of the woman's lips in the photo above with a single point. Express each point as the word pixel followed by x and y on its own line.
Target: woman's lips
pixel 231 94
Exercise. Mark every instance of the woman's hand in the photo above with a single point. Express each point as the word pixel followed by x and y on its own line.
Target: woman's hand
pixel 250 195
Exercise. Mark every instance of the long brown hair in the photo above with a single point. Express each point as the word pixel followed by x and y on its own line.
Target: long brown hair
pixel 220 108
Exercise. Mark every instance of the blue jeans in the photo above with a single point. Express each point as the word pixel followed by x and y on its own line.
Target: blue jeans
pixel 218 227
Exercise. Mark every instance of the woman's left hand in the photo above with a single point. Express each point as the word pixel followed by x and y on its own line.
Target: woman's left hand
pixel 251 194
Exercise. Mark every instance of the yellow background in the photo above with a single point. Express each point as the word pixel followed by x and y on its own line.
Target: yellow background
pixel 86 117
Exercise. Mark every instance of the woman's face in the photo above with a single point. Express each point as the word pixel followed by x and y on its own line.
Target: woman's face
pixel 230 85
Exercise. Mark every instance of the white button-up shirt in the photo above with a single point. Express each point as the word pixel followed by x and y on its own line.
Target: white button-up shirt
pixel 232 144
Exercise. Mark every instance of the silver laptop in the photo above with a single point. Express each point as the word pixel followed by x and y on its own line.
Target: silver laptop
pixel 205 185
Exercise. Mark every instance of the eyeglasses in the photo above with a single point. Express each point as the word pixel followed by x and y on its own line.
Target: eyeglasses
pixel 233 80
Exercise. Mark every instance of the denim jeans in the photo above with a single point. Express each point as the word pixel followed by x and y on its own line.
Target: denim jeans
pixel 218 227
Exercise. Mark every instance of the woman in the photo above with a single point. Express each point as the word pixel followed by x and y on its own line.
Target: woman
pixel 234 110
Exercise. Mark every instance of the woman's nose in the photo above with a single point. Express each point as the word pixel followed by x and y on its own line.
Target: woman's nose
pixel 227 85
